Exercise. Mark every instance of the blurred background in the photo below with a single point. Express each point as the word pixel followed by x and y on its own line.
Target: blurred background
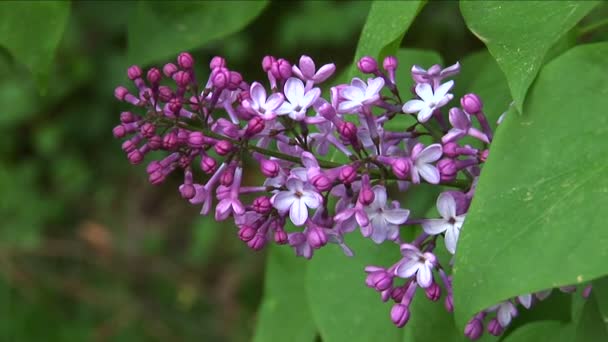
pixel 89 251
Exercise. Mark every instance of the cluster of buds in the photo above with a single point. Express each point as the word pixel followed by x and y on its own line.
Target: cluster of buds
pixel 326 162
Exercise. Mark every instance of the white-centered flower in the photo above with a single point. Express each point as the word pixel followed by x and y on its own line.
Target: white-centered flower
pixel 384 219
pixel 298 100
pixel 450 223
pixel 418 263
pixel 429 100
pixel 298 197
pixel 262 105
pixel 422 160
pixel 359 93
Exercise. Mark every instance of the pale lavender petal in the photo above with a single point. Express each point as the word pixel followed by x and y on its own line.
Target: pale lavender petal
pixel 347 106
pixel 294 90
pixel 298 213
pixel 430 154
pixel 443 90
pixel 407 268
pixel 459 119
pixel 353 93
pixel 310 97
pixel 451 238
pixel 274 101
pixel 324 72
pixel 504 315
pixel 296 71
pixel 452 135
pixel 435 226
pixel 222 210
pixel 429 172
pixel 396 216
pixel 238 207
pixel 307 65
pixel 373 86
pixel 311 199
pixel 446 205
pixel 526 300
pixel 425 114
pixel 358 83
pixel 424 277
pixel 425 92
pixel 283 200
pixel 379 196
pixel 413 106
pixel 294 182
pixel 258 94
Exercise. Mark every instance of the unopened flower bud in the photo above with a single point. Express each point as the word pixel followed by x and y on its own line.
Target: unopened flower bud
pixel 165 93
pixel 257 242
pixel 187 191
pixel 234 80
pixel 154 76
pixel 348 174
pixel 474 329
pixel 270 168
pixel 170 141
pixel 147 130
pixel 185 60
pixel 401 167
pixel 220 78
pixel 127 117
pixel 397 293
pixel 120 92
pixel 379 280
pixel 155 142
pixel 135 157
pixel 119 131
pixel 280 237
pixel 321 182
pixel 366 196
pixel 175 105
pixel 169 69
pixel 134 72
pixel 223 147
pixel 217 62
pixel 316 238
pixel 196 139
pixel 367 65
pixel 484 155
pixel 262 205
pixel 390 63
pixel 348 130
pixel 267 63
pixel 495 328
pixel 281 69
pixel 255 126
pixel 471 103
pixel 157 177
pixel 208 165
pixel 447 169
pixel 182 78
pixel 246 233
pixel 433 292
pixel 400 314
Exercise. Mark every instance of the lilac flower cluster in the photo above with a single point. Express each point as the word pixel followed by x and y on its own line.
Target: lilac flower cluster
pixel 326 161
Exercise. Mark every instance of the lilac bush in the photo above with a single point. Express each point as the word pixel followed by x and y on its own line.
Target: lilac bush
pixel 327 159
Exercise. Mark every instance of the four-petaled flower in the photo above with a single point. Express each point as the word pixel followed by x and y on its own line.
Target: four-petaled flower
pixel 298 99
pixel 384 220
pixel 418 263
pixel 505 311
pixel 430 100
pixel 422 159
pixel 450 223
pixel 262 105
pixel 358 93
pixel 298 197
pixel 308 71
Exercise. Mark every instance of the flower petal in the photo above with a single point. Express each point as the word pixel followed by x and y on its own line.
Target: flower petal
pixel 443 90
pixel 396 216
pixel 311 199
pixel 283 200
pixel 353 94
pixel 298 213
pixel 430 154
pixel 324 72
pixel 407 268
pixel 425 92
pixel 425 114
pixel 373 86
pixel 446 205
pixel 307 65
pixel 429 172
pixel 310 97
pixel 413 106
pixel 258 94
pixel 274 101
pixel 451 238
pixel 294 90
pixel 424 277
pixel 435 226
pixel 379 196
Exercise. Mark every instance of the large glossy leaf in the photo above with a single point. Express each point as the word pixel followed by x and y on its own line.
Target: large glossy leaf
pixel 284 313
pixel 386 25
pixel 591 325
pixel 542 331
pixel 520 33
pixel 31 31
pixel 163 29
pixel 534 221
pixel 600 290
pixel 343 308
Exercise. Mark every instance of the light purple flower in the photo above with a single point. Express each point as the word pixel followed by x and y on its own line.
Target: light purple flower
pixel 306 70
pixel 450 223
pixel 422 163
pixel 262 105
pixel 505 311
pixel 300 244
pixel 384 220
pixel 298 100
pixel 298 197
pixel 434 74
pixel 461 123
pixel 525 300
pixel 418 263
pixel 359 93
pixel 430 100
pixel 230 202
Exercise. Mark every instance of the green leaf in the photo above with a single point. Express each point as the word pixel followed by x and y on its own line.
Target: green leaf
pixel 591 326
pixel 343 308
pixel 386 25
pixel 31 31
pixel 541 187
pixel 600 290
pixel 542 331
pixel 519 34
pixel 163 29
pixel 284 313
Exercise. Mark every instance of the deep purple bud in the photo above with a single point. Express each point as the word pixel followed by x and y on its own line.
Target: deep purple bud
pixel 397 293
pixel 120 92
pixel 321 182
pixel 246 233
pixel 471 103
pixel 447 169
pixel 348 130
pixel 400 314
pixel 196 139
pixel 255 126
pixel 175 105
pixel 281 69
pixel 217 62
pixel 170 140
pixel 379 280
pixel 366 196
pixel 227 177
pixel 234 80
pixel 223 147
pixel 316 238
pixel 169 69
pixel 257 242
pixel 156 177
pixel 155 142
pixel 433 292
pixel 185 60
pixel 127 117
pixel 119 131
pixel 270 168
pixel 367 65
pixel 220 77
pixel 484 155
pixel 135 157
pixel 128 146
pixel 451 150
pixel 134 72
pixel 182 78
pixel 147 130
pixel 154 166
pixel 390 63
pixel 348 174
pixel 262 205
pixel 280 237
pixel 187 191
pixel 474 329
pixel 268 62
pixel 449 302
pixel 165 93
pixel 154 76
pixel 495 328
pixel 208 165
pixel 401 167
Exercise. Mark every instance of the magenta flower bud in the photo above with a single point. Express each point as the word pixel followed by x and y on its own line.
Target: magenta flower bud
pixel 447 169
pixel 227 177
pixel 135 157
pixel 281 69
pixel 471 103
pixel 257 242
pixel 397 293
pixel 187 191
pixel 185 60
pixel 154 166
pixel 367 65
pixel 327 111
pixel 268 62
pixel 165 93
pixel 196 139
pixel 157 177
pixel 347 175
pixel 220 78
pixel 474 329
pixel 175 105
pixel 147 130
pixel 246 233
pixel 182 78
pixel 119 131
pixel 400 314
pixel 401 167
pixel 390 63
pixel 262 205
pixel 433 292
pixel 379 280
pixel 134 72
pixel 316 238
pixel 255 126
pixel 451 149
pixel 280 237
pixel 128 146
pixel 127 117
pixel 234 80
pixel 495 328
pixel 170 141
pixel 217 62
pixel 449 303
pixel 208 165
pixel 270 168
pixel 155 142
pixel 154 76
pixel 120 92
pixel 484 155
pixel 223 147
pixel 321 182
pixel 348 130
pixel 169 69
pixel 366 196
